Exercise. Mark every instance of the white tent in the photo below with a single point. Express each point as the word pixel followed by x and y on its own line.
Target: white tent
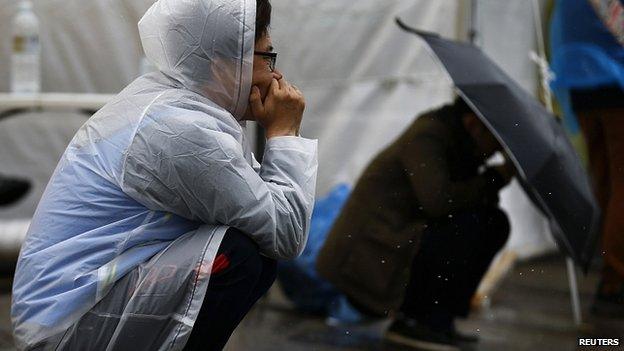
pixel 363 78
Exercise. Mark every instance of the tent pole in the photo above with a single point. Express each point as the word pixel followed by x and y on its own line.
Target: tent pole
pixel 473 33
pixel 546 76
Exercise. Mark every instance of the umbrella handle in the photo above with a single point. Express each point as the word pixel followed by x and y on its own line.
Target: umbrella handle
pixel 574 293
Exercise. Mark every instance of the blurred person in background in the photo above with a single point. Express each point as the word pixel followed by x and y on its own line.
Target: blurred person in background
pixel 158 228
pixel 421 228
pixel 588 62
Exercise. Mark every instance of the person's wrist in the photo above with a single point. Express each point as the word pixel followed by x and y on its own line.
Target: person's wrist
pixel 280 133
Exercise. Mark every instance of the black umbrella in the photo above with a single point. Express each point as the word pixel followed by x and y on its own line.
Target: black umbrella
pixel 549 168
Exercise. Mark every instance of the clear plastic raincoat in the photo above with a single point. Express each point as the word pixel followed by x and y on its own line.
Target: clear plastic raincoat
pixel 124 237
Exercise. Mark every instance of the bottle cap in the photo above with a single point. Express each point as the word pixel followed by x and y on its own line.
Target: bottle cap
pixel 25 5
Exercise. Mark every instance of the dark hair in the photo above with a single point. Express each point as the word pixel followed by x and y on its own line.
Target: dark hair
pixel 263 18
pixel 461 107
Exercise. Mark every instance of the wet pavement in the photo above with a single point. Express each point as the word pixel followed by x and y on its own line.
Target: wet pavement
pixel 530 310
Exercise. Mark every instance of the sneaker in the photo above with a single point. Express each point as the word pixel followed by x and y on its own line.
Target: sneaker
pixel 409 332
pixel 12 190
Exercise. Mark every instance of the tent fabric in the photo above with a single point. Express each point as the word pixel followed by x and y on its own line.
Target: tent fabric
pixel 88 46
pixel 31 144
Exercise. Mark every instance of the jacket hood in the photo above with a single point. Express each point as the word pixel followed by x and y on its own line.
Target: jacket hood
pixel 205 45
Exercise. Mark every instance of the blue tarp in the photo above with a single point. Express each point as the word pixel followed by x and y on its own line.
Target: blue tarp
pixel 298 278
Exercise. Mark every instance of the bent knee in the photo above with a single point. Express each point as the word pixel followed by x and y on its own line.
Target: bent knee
pixel 243 243
pixel 238 252
pixel 498 227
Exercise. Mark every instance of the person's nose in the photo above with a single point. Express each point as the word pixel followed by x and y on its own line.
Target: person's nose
pixel 277 74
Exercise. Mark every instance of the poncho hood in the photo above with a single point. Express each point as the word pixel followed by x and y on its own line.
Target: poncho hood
pixel 205 45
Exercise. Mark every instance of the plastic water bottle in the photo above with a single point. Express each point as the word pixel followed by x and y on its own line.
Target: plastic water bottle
pixel 26 56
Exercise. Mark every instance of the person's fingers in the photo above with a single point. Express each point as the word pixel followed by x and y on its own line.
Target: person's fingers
pixel 273 91
pixel 255 102
pixel 298 94
pixel 283 84
pixel 277 74
pixel 275 86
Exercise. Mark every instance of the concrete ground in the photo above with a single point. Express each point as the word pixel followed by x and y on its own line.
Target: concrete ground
pixel 529 311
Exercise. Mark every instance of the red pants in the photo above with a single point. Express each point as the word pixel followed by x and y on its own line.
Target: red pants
pixel 604 133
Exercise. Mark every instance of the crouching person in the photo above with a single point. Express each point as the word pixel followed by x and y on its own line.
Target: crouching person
pixel 158 229
pixel 421 228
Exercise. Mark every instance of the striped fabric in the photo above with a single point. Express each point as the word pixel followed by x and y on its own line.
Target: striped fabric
pixel 612 14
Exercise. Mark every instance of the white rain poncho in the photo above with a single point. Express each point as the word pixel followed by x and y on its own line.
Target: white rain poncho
pixel 133 216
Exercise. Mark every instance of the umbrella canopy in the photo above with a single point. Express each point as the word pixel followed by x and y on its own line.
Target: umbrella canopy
pixel 548 166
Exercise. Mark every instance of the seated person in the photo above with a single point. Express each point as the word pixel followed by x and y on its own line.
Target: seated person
pixel 421 227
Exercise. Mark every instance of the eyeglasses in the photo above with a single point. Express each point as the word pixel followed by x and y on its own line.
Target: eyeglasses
pixel 272 56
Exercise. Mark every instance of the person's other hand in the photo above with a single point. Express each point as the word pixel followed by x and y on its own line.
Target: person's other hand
pixel 281 112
